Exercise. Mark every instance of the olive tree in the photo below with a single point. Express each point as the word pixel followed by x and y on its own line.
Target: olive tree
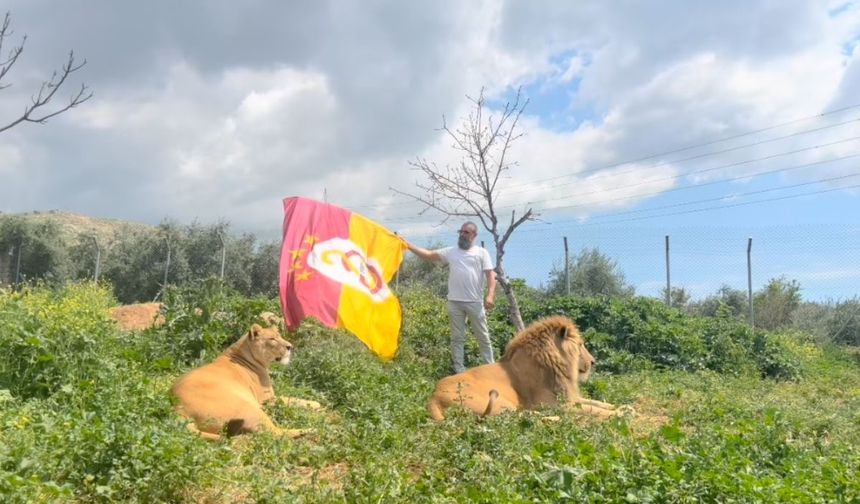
pixel 592 273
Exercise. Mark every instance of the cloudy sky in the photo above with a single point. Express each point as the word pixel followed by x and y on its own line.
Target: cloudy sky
pixel 703 120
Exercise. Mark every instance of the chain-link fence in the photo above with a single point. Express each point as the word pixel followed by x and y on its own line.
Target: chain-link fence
pixel 805 276
pixel 770 276
pixel 701 261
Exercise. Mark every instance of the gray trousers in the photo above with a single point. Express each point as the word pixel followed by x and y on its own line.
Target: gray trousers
pixel 457 313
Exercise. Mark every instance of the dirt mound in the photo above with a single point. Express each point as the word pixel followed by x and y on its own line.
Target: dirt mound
pixel 136 317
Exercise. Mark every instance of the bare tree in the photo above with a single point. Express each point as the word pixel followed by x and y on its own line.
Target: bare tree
pixel 471 188
pixel 36 111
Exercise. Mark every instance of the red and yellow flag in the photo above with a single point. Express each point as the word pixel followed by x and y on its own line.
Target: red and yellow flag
pixel 335 266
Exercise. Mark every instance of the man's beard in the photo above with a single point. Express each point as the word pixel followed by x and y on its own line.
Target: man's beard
pixel 464 242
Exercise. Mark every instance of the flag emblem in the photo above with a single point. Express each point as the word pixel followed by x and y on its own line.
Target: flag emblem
pixel 344 262
pixel 335 266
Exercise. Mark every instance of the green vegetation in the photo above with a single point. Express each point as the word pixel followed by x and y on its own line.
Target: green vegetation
pixel 724 414
pixel 592 273
pixel 55 248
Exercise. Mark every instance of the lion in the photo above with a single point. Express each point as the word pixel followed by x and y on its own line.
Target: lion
pixel 544 362
pixel 228 393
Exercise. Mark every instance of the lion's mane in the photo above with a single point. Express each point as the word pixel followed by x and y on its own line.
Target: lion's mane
pixel 540 365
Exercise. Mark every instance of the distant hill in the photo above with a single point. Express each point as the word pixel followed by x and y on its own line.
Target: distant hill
pixel 73 226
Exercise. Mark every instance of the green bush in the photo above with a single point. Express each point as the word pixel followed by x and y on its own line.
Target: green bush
pixel 52 337
pixel 774 358
pixel 113 437
pixel 40 254
pixel 81 421
pixel 205 316
pixel 628 331
pixel 775 303
pixel 592 273
pixel 425 333
pixel 843 324
pixel 610 359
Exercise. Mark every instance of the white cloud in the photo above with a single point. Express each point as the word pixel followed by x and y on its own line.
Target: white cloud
pixel 12 157
pixel 224 116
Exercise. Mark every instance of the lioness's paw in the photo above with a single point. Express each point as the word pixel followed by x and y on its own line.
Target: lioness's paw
pixel 313 405
pixel 302 403
pixel 297 433
pixel 625 410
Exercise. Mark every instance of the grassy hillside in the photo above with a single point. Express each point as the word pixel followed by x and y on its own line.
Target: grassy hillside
pixel 85 415
pixel 74 227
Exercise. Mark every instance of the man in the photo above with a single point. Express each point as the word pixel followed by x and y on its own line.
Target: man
pixel 469 266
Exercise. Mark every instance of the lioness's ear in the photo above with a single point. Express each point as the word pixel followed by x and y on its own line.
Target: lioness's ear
pixel 254 333
pixel 271 319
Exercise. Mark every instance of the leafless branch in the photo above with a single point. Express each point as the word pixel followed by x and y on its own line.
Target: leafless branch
pixel 433 203
pixel 35 111
pixel 470 187
pixel 16 51
pixel 528 215
pixel 472 182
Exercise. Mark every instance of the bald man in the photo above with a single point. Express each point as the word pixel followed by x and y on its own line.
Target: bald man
pixel 470 268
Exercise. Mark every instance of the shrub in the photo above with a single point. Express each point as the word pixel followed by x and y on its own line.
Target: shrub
pixel 843 324
pixel 592 273
pixel 774 358
pixel 628 331
pixel 776 302
pixel 110 438
pixel 51 337
pixel 204 317
pixel 425 332
pixel 38 248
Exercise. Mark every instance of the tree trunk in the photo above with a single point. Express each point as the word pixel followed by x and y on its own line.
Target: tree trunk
pixel 513 306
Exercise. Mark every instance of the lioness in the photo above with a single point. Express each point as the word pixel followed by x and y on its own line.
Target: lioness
pixel 228 392
pixel 137 317
pixel 544 362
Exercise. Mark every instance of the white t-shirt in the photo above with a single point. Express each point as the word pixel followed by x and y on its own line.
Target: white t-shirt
pixel 466 272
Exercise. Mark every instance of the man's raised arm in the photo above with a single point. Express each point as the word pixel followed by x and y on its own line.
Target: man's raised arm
pixel 427 255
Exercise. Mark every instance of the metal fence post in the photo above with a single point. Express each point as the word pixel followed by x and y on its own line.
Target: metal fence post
pixel 167 265
pixel 6 267
pixel 397 274
pixel 98 259
pixel 668 276
pixel 18 264
pixel 566 269
pixel 749 282
pixel 223 253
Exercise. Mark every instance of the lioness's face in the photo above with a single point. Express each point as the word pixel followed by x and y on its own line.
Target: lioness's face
pixel 586 363
pixel 268 344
